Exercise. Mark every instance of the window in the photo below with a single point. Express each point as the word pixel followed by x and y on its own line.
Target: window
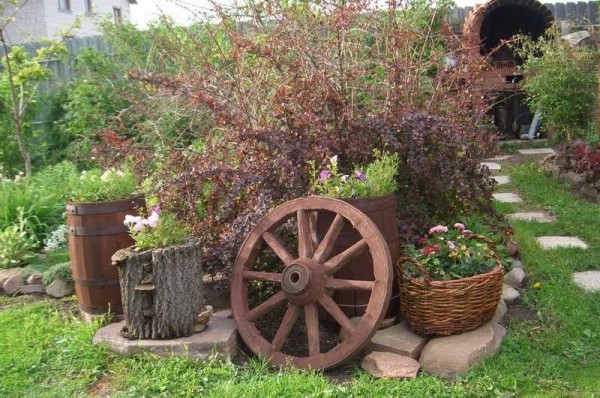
pixel 89 6
pixel 118 16
pixel 64 5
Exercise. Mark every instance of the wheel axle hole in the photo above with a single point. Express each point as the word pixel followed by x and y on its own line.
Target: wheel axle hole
pixel 295 277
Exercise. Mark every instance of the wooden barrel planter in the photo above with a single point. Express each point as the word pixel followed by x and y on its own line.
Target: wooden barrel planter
pixel 382 211
pixel 162 290
pixel 96 231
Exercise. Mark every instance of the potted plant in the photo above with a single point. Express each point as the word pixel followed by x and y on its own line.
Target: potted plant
pixel 371 189
pixel 450 281
pixel 98 202
pixel 161 278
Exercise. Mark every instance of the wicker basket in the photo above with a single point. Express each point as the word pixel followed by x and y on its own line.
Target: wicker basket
pixel 448 307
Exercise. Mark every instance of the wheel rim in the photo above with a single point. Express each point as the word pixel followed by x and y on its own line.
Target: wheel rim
pixel 308 280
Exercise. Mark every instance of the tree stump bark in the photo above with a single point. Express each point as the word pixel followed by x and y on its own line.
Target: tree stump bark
pixel 162 291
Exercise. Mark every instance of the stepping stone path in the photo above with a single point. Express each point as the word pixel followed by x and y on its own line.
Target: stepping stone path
pixel 539 217
pixel 499 158
pixel 556 242
pixel 501 180
pixel 492 166
pixel 507 197
pixel 536 151
pixel 588 280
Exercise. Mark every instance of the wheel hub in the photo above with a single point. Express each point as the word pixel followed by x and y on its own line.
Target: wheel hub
pixel 302 281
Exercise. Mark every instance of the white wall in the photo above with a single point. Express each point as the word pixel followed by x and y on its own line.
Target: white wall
pixel 59 20
pixel 29 24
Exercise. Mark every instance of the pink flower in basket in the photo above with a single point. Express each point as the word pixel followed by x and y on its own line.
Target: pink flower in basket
pixel 438 229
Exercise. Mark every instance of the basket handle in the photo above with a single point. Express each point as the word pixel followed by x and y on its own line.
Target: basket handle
pixel 417 264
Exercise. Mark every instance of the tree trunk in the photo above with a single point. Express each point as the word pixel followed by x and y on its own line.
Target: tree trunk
pixel 162 291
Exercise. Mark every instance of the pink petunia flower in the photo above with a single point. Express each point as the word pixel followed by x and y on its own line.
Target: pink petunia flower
pixel 460 226
pixel 438 229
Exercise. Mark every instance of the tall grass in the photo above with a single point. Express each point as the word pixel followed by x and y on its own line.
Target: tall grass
pixel 42 198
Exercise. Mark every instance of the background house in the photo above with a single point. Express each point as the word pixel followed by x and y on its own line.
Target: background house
pixel 38 19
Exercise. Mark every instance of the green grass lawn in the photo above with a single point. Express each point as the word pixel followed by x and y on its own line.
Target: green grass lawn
pixel 45 351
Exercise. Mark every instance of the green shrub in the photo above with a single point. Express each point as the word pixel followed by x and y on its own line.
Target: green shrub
pixel 160 229
pixel 58 271
pixel 17 246
pixel 96 185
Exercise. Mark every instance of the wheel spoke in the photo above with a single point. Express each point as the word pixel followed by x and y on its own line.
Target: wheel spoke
pixel 337 314
pixel 348 284
pixel 265 307
pixel 262 276
pixel 326 246
pixel 278 248
pixel 337 262
pixel 305 245
pixel 311 316
pixel 288 321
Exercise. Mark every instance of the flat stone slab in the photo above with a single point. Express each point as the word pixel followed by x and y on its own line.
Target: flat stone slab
pixel 499 158
pixel 390 365
pixel 492 166
pixel 536 151
pixel 507 197
pixel 540 217
pixel 502 180
pixel 588 280
pixel 555 242
pixel 399 340
pixel 453 355
pixel 219 337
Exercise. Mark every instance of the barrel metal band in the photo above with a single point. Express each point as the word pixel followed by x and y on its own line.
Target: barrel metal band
pixel 88 231
pixel 104 208
pixel 96 282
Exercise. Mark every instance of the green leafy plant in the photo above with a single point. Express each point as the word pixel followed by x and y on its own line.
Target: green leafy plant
pixel 97 185
pixel 58 271
pixel 160 229
pixel 17 245
pixel 377 179
pixel 559 80
pixel 452 253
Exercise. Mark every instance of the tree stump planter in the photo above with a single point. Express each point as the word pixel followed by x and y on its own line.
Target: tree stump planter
pixel 162 290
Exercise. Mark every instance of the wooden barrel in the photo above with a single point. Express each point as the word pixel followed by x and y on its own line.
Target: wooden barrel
pixel 382 211
pixel 96 232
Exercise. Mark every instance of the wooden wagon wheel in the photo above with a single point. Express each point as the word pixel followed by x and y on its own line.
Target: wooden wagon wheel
pixel 308 281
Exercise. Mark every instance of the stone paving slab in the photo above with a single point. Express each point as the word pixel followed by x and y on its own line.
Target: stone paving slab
pixel 539 217
pixel 501 180
pixel 536 151
pixel 492 166
pixel 499 158
pixel 507 197
pixel 588 280
pixel 555 242
pixel 219 337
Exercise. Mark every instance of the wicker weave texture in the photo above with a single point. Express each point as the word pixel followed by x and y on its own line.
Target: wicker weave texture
pixel 449 307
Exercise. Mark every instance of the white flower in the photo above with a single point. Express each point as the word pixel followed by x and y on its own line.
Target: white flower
pixel 130 220
pixel 152 221
pixel 333 160
pixel 344 178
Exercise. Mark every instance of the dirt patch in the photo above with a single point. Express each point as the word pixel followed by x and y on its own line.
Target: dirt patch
pixel 103 388
pixel 519 312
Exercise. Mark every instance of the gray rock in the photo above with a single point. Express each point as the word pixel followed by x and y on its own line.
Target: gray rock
pixel 399 340
pixel 59 288
pixel 453 355
pixel 32 289
pixel 554 170
pixel 573 178
pixel 219 337
pixel 226 313
pixel 509 294
pixel 588 280
pixel 514 277
pixel 35 279
pixel 500 312
pixel 512 248
pixel 517 264
pixel 588 192
pixel 12 284
pixel 390 365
